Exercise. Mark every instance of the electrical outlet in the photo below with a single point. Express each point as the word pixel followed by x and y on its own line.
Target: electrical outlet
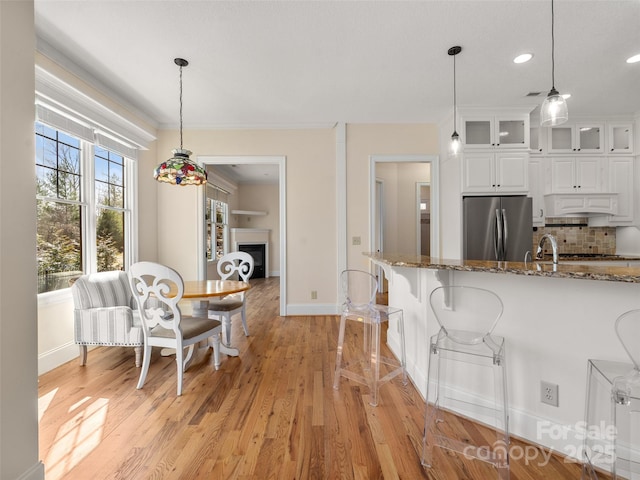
pixel 356 241
pixel 314 294
pixel 549 393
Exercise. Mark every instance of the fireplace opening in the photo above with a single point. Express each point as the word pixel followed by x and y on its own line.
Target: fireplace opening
pixel 257 251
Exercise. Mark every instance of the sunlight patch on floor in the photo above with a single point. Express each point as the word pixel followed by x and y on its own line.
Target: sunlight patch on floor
pixel 44 401
pixel 78 436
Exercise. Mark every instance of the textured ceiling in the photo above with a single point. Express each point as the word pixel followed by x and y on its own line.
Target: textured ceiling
pixel 288 63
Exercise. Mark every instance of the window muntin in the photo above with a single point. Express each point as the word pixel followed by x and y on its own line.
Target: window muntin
pixel 57 164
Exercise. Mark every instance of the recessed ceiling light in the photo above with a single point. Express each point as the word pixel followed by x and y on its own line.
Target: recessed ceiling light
pixel 525 57
pixel 634 59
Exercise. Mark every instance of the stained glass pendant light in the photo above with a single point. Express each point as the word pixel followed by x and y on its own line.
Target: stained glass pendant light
pixel 554 108
pixel 455 138
pixel 179 169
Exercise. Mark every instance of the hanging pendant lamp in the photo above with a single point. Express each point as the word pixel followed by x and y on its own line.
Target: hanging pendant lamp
pixel 554 108
pixel 179 169
pixel 455 138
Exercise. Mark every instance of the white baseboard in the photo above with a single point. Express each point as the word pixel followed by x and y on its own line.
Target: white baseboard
pixel 54 358
pixel 565 440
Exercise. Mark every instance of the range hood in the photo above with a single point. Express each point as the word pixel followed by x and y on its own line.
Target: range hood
pixel 587 204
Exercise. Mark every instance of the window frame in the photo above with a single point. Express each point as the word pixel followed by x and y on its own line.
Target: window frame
pixel 89 207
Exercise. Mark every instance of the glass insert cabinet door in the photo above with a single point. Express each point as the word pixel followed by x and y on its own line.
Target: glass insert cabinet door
pixel 217 214
pixel 496 132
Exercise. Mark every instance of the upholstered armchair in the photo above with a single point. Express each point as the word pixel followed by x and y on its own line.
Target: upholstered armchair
pixel 103 313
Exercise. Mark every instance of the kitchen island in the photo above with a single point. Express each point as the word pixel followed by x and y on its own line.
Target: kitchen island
pixel 555 318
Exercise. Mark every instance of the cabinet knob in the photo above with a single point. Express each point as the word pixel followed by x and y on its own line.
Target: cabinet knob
pixel 540 149
pixel 497 144
pixel 579 149
pixel 612 149
pixel 574 149
pixel 498 186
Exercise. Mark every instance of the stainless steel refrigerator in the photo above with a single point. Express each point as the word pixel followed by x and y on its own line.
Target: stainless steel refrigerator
pixel 497 228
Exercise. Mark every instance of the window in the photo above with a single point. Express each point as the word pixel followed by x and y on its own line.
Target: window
pixel 110 210
pixel 82 208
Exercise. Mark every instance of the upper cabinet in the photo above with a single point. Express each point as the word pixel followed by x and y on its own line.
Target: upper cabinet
pixel 620 138
pixel 579 137
pixel 577 175
pixel 495 173
pixel 496 131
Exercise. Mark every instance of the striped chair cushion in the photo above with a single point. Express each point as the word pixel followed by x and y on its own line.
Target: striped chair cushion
pixel 103 289
pixel 103 313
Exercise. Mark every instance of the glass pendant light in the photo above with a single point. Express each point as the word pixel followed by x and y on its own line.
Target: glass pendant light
pixel 455 138
pixel 179 169
pixel 554 108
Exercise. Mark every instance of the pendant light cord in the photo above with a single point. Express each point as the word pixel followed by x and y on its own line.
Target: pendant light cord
pixel 553 48
pixel 180 107
pixel 454 93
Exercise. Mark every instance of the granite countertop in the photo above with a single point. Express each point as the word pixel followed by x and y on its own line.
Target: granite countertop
pixel 539 268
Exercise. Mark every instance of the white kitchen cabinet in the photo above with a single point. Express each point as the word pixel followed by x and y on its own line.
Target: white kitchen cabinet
pixel 495 172
pixel 576 175
pixel 579 137
pixel 496 131
pixel 621 182
pixel 620 138
pixel 536 190
pixel 558 204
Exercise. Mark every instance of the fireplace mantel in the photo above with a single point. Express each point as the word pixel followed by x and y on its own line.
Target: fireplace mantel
pixel 251 236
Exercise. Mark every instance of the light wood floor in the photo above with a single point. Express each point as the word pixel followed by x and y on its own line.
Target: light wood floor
pixel 269 414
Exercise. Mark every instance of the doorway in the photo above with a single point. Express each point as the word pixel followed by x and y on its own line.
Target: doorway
pixel 400 184
pixel 259 162
pixel 423 197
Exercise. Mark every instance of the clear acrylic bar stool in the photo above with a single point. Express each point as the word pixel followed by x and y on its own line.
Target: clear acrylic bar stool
pixel 465 358
pixel 359 289
pixel 612 410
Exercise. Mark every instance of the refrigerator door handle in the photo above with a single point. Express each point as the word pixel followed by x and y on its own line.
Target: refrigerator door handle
pixel 505 234
pixel 499 244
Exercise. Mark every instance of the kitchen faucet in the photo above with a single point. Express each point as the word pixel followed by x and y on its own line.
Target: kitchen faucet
pixel 554 247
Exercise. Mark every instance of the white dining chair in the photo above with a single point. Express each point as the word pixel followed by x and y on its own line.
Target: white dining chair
pixel 237 265
pixel 166 327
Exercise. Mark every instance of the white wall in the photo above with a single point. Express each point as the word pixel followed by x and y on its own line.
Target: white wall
pixel 263 198
pixel 18 334
pixel 311 196
pixel 363 141
pixel 310 192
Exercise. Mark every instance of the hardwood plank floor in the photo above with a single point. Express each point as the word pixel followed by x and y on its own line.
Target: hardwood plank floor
pixel 270 413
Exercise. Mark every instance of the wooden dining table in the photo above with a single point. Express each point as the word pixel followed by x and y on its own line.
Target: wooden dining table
pixel 199 292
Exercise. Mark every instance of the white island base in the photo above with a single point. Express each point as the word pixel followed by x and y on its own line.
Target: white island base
pixel 552 327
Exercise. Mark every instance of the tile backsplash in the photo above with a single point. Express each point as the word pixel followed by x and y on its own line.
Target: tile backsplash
pixel 574 236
